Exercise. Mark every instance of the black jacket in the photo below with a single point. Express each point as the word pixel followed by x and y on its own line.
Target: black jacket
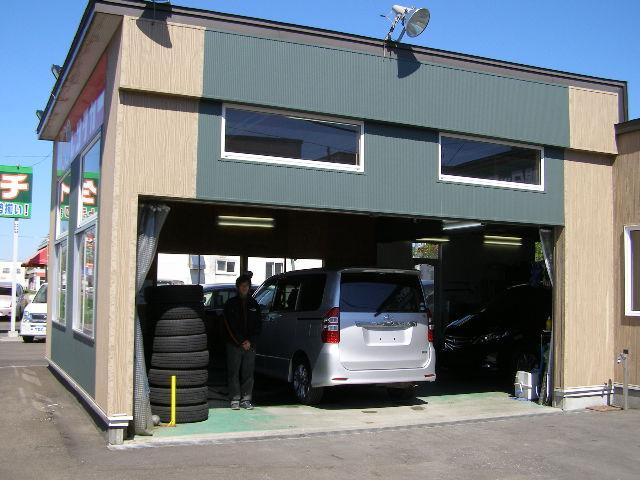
pixel 241 327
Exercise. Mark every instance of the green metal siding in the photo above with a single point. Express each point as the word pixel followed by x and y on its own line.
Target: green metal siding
pixel 369 87
pixel 401 177
pixel 74 353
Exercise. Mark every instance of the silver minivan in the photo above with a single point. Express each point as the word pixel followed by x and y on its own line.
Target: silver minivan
pixel 322 328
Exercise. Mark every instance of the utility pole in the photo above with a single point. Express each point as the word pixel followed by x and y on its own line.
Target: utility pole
pixel 12 331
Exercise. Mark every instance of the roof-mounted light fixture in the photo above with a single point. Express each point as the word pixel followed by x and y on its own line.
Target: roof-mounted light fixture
pixel 448 225
pixel 39 114
pixel 414 21
pixel 250 222
pixel 502 240
pixel 56 70
pixel 432 240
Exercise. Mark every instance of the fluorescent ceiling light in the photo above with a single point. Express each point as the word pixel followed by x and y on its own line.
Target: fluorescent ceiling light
pixel 502 240
pixel 448 225
pixel 432 240
pixel 252 222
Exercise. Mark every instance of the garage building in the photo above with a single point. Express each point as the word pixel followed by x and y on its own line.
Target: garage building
pixel 153 106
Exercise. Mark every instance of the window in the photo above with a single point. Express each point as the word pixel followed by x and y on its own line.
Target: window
pixel 84 320
pixel 632 270
pixel 6 270
pixel 63 210
pixel 41 296
pixel 60 299
pixel 287 295
pixel 485 163
pixel 311 292
pixel 274 268
pixel 90 183
pixel 264 136
pixel 265 295
pixel 225 266
pixel 380 292
pixel 217 298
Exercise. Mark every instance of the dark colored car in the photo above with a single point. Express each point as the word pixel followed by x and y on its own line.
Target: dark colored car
pixel 503 335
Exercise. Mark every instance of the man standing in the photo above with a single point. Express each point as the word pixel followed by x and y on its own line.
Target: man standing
pixel 243 323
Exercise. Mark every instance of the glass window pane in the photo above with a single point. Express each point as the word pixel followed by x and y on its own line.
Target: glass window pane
pixel 231 267
pixel 264 296
pixel 278 267
pixel 311 292
pixel 489 161
pixel 277 135
pixel 287 295
pixel 87 277
pixel 63 210
pixel 90 181
pixel 61 283
pixel 635 269
pixel 380 292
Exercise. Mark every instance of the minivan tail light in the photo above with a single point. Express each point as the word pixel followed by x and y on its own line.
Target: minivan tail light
pixel 430 329
pixel 331 326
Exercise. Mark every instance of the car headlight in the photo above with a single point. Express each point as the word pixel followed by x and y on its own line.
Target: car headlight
pixel 26 317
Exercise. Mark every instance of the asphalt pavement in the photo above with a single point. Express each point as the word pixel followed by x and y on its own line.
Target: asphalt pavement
pixel 48 435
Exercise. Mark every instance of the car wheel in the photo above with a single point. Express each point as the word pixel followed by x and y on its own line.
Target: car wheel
pixel 184 378
pixel 27 339
pixel 184 414
pixel 305 393
pixel 182 343
pixel 180 360
pixel 184 396
pixel 402 394
pixel 179 327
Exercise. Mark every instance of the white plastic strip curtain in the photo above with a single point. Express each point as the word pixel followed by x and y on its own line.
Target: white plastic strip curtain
pixel 547 240
pixel 151 217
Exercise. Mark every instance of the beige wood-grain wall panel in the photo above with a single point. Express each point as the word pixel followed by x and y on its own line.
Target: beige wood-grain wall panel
pixel 155 154
pixel 587 269
pixel 108 352
pixel 162 57
pixel 592 118
pixel 626 181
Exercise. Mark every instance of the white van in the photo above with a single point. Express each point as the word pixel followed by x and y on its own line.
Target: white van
pixel 34 318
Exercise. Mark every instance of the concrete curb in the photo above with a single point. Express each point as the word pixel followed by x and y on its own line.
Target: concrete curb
pixel 224 439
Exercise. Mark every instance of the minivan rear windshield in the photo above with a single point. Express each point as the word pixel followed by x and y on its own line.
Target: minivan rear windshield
pixel 380 292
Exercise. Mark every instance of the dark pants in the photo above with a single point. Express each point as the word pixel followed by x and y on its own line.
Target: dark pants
pixel 240 367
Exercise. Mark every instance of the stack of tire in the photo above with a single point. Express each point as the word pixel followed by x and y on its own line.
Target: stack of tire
pixel 179 348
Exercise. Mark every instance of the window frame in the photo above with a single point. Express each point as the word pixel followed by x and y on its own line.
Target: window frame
pixel 84 221
pixel 225 271
pixel 77 321
pixel 67 174
pixel 56 280
pixel 629 281
pixel 292 162
pixel 486 182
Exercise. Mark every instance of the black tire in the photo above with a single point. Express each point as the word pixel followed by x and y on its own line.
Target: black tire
pixel 184 396
pixel 27 339
pixel 178 344
pixel 304 392
pixel 184 378
pixel 177 311
pixel 171 328
pixel 175 294
pixel 184 360
pixel 402 394
pixel 184 414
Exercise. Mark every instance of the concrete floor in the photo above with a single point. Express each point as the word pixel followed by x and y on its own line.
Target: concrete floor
pixel 46 434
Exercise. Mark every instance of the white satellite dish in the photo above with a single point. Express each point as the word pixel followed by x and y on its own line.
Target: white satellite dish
pixel 414 21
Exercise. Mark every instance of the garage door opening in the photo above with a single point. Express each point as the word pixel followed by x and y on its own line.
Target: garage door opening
pixel 466 274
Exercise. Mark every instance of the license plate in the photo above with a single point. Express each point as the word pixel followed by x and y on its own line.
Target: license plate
pixel 39 329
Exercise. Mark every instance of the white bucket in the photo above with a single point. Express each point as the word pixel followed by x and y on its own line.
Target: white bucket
pixel 527 385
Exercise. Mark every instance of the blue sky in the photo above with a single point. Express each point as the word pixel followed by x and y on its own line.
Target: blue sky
pixel 584 36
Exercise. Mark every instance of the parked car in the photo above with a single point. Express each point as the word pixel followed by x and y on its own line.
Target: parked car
pixel 503 335
pixel 6 300
pixel 324 327
pixel 34 318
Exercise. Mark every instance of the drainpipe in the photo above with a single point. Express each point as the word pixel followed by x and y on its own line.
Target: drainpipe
pixel 622 358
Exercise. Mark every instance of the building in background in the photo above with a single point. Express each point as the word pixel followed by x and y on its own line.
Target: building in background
pixel 217 269
pixel 6 274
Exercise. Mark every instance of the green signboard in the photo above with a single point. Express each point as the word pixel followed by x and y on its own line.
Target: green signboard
pixel 16 184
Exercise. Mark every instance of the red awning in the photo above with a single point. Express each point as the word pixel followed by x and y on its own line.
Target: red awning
pixel 40 259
